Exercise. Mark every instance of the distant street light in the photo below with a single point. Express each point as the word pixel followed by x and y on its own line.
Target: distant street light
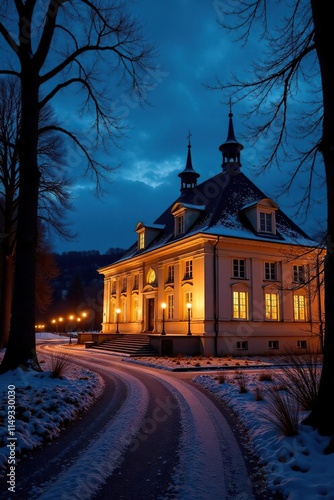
pixel 163 305
pixel 71 319
pixel 189 306
pixel 84 316
pixel 117 319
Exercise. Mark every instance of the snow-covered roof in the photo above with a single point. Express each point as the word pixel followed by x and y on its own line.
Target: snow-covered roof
pixel 221 202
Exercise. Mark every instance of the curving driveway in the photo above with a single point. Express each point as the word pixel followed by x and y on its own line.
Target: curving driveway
pixel 152 435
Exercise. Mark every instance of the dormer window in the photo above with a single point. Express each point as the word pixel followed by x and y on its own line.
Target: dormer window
pixel 185 215
pixel 147 233
pixel 262 216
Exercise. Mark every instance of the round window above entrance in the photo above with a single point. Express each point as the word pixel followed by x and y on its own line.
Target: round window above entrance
pixel 150 278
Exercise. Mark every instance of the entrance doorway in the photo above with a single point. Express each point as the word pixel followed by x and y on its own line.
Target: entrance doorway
pixel 150 315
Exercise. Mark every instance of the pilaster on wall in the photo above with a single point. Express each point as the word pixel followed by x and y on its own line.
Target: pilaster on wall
pixel 106 300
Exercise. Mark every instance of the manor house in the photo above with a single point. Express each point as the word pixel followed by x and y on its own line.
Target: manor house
pixel 222 271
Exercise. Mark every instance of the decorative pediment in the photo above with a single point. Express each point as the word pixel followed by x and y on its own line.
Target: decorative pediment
pixel 185 214
pixel 147 233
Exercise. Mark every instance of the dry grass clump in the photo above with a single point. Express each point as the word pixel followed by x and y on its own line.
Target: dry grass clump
pixel 300 373
pixel 221 377
pixel 266 376
pixel 282 411
pixel 240 379
pixel 60 363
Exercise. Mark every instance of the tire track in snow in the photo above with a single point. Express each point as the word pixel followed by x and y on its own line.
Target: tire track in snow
pixel 211 463
pixel 100 459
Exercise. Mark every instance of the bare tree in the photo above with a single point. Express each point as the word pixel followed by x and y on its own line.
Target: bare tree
pixel 53 47
pixel 291 96
pixel 53 191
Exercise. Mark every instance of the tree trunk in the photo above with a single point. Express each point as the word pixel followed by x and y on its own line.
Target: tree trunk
pixel 6 296
pixel 21 347
pixel 322 417
pixel 7 265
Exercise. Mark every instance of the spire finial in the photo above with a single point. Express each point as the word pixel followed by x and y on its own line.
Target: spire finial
pixel 231 147
pixel 188 176
pixel 188 137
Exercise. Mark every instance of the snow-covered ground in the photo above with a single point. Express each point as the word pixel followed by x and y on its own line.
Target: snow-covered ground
pixel 294 466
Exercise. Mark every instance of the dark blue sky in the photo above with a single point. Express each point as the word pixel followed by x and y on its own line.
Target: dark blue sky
pixel 192 51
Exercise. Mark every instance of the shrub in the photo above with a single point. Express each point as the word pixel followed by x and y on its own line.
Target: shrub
pixel 301 374
pixel 60 364
pixel 282 411
pixel 221 377
pixel 241 381
pixel 265 377
pixel 258 393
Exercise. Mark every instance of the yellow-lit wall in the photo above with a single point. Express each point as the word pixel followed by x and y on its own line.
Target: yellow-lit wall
pixel 212 308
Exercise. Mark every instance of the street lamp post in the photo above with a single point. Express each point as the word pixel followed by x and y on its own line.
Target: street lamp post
pixel 84 315
pixel 189 305
pixel 71 319
pixel 163 305
pixel 117 319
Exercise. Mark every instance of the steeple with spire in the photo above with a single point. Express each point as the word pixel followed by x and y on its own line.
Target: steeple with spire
pixel 188 176
pixel 231 148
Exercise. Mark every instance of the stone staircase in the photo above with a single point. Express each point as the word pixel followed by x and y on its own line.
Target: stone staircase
pixel 129 345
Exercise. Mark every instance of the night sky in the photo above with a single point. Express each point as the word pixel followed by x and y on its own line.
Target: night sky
pixel 192 51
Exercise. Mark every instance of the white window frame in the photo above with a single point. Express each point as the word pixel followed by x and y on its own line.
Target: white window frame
pixel 271 306
pixel 266 222
pixel 141 240
pixel 273 344
pixel 299 307
pixel 170 274
pixel 298 273
pixel 188 298
pixel 188 269
pixel 242 345
pixel 239 268
pixel 179 224
pixel 170 306
pixel 240 304
pixel 270 271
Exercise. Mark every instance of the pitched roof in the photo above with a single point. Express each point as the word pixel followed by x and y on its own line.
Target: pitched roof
pixel 221 202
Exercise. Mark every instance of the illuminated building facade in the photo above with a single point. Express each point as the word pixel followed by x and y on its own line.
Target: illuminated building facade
pixel 222 271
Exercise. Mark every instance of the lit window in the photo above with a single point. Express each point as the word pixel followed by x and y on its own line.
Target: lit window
pixel 170 275
pixel 270 271
pixel 239 268
pixel 135 310
pixel 299 307
pixel 141 242
pixel 266 224
pixel 124 310
pixel 273 344
pixel 188 299
pixel 188 270
pixel 242 345
pixel 298 274
pixel 240 305
pixel 170 306
pixel 271 306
